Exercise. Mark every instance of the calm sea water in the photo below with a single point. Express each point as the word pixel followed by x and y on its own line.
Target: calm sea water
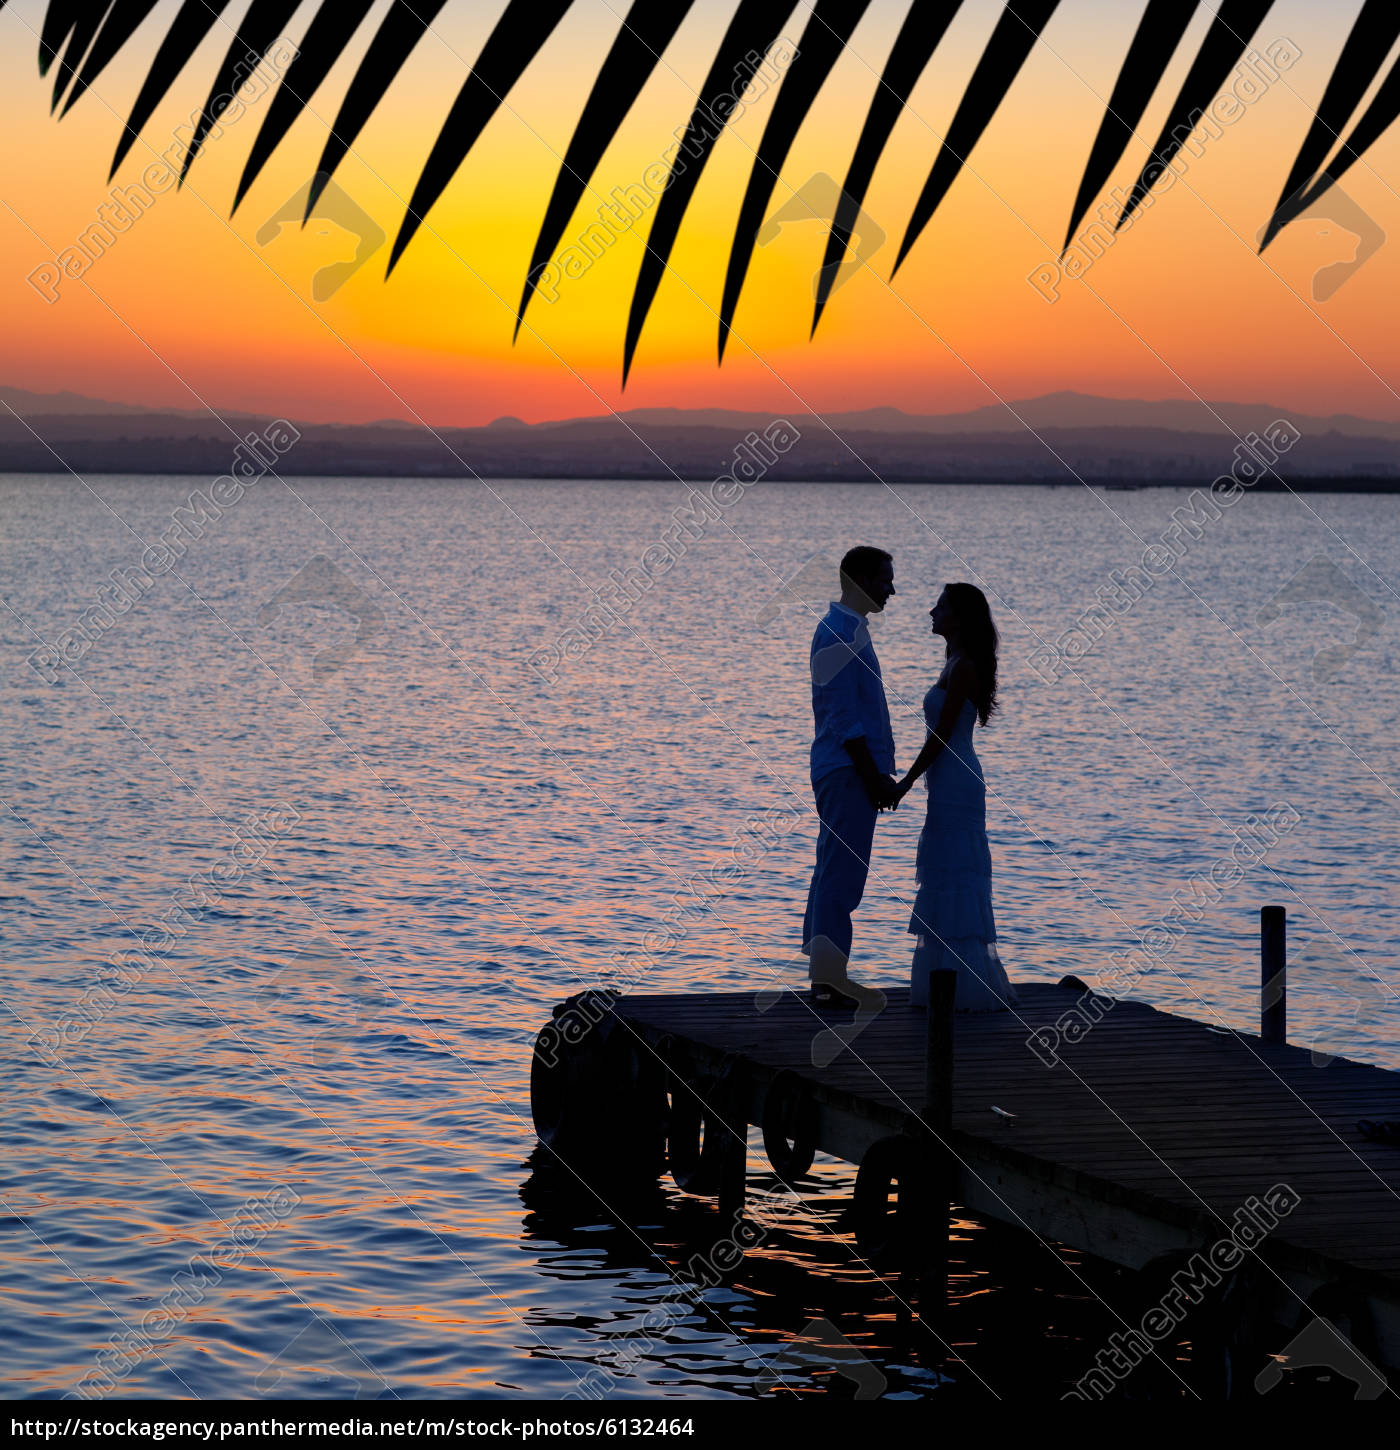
pixel 368 844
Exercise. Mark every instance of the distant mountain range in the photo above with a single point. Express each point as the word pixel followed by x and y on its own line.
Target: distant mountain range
pixel 1058 438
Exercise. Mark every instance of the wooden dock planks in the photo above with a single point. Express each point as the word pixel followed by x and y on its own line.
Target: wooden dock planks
pixel 1150 1131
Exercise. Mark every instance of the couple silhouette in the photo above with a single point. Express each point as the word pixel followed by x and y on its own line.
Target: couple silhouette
pixel 854 780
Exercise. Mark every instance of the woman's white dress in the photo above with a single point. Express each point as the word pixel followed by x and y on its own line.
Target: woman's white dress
pixel 952 918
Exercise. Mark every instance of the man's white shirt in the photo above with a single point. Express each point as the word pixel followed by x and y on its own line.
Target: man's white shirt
pixel 848 693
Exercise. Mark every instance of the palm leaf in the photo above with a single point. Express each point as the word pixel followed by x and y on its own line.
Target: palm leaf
pixel 512 45
pixel 80 35
pixel 822 42
pixel 1378 118
pixel 646 32
pixel 1376 30
pixel 1016 32
pixel 187 30
pixel 402 28
pixel 1226 41
pixel 78 41
pixel 326 38
pixel 262 25
pixel 753 30
pixel 121 24
pixel 1158 34
pixel 59 20
pixel 918 38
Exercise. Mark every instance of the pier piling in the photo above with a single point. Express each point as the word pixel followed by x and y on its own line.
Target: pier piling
pixel 1273 962
pixel 937 1185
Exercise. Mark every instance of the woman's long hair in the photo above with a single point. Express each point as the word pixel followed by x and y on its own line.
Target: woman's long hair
pixel 978 637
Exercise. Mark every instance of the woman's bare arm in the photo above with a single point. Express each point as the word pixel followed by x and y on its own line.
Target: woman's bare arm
pixel 961 678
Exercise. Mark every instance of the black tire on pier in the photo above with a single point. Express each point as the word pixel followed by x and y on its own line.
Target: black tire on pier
pixel 789 1125
pixel 1217 1346
pixel 898 1165
pixel 566 1093
pixel 701 1107
pixel 597 1096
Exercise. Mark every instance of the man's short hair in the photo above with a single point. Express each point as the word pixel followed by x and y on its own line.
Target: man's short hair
pixel 862 563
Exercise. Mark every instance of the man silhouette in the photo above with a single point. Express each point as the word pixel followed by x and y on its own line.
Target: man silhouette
pixel 852 766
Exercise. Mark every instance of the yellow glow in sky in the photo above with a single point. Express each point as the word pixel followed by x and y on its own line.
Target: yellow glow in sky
pixel 188 305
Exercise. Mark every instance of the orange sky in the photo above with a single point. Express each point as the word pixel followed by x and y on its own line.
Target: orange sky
pixel 187 306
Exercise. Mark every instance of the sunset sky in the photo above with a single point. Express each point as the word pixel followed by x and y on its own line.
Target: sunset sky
pixel 188 308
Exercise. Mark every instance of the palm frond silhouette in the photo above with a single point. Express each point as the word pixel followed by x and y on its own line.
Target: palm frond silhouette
pixel 78 41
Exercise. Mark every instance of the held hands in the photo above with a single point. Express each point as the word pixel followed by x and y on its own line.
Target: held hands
pixel 880 789
pixel 886 792
pixel 901 789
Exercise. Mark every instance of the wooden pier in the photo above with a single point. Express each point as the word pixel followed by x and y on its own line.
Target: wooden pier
pixel 1141 1137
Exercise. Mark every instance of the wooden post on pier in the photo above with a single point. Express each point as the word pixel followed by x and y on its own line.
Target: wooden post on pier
pixel 938 1125
pixel 1273 966
pixel 731 1104
pixel 938 1052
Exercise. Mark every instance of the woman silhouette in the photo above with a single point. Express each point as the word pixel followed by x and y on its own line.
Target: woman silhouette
pixel 952 920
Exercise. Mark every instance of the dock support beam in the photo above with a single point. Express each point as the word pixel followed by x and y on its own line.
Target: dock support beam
pixel 938 1126
pixel 938 1053
pixel 734 1148
pixel 1273 965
